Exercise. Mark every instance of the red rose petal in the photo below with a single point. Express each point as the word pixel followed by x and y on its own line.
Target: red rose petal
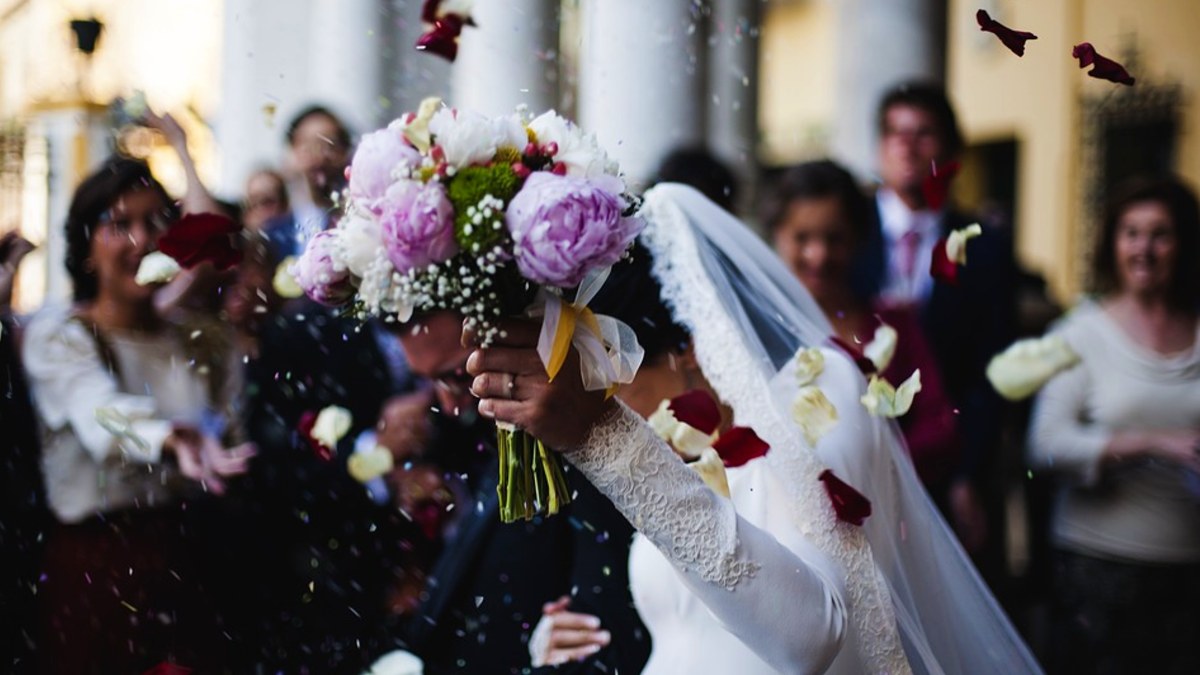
pixel 202 237
pixel 1103 68
pixel 864 364
pixel 698 410
pixel 936 185
pixel 941 267
pixel 739 445
pixel 307 421
pixel 1013 39
pixel 849 504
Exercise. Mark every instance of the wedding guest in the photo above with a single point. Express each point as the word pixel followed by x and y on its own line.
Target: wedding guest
pixel 319 146
pixel 1122 432
pixel 125 413
pixel 818 218
pixel 266 199
pixel 23 513
pixel 966 324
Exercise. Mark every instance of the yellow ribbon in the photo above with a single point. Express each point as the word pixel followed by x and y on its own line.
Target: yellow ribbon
pixel 569 318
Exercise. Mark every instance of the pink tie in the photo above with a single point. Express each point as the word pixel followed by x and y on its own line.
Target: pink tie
pixel 907 247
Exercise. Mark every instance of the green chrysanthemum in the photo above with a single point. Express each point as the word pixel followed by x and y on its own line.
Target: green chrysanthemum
pixel 480 195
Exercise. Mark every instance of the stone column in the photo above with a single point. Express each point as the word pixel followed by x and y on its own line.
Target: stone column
pixel 411 75
pixel 347 41
pixel 641 79
pixel 732 100
pixel 510 58
pixel 879 44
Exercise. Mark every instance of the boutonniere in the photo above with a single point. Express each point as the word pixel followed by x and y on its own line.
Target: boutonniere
pixel 951 253
pixel 690 423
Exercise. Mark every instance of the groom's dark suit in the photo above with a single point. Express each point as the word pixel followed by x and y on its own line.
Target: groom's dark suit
pixel 485 593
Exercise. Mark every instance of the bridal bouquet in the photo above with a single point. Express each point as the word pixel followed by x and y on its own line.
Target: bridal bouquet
pixel 489 217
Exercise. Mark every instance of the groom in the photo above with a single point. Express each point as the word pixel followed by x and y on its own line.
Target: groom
pixel 487 590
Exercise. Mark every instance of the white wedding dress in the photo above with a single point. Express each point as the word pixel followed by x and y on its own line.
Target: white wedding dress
pixel 770 581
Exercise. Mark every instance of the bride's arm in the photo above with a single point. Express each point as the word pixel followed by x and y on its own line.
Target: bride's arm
pixel 784 603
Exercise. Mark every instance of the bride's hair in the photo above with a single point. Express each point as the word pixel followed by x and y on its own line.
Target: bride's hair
pixel 634 296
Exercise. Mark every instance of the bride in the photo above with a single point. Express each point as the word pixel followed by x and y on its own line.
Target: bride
pixel 769 580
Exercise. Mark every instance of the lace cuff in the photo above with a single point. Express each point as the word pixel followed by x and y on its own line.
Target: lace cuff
pixel 665 500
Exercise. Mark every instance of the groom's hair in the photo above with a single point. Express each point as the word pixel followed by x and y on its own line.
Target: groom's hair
pixel 634 296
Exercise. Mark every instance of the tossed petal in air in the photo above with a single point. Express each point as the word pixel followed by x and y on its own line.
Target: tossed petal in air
pixel 813 412
pixel 739 445
pixel 951 252
pixel 884 400
pixel 849 504
pixel 371 464
pixel 156 268
pixel 936 186
pixel 810 363
pixel 1028 365
pixel 202 237
pixel 712 471
pixel 882 347
pixel 1103 68
pixel 1013 39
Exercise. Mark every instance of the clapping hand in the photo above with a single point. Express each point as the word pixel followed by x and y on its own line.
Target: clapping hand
pixel 203 459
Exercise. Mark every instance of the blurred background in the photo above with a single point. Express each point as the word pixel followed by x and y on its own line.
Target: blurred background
pixel 765 83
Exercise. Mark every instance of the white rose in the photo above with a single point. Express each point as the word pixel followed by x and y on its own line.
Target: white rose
pixel 416 130
pixel 813 412
pixel 510 132
pixel 332 423
pixel 1028 365
pixel 465 137
pixel 359 242
pixel 810 363
pixel 884 400
pixel 580 152
pixel 882 347
pixel 370 464
pixel 156 268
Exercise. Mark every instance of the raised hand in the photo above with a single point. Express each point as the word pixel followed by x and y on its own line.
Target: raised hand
pixel 203 459
pixel 513 387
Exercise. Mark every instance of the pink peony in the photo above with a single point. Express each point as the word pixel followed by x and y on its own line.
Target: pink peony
pixel 418 224
pixel 379 154
pixel 317 274
pixel 564 227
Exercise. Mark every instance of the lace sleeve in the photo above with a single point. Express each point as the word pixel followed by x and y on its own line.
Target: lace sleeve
pixel 733 567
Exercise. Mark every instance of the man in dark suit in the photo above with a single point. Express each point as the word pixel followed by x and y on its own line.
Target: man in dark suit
pixel 486 591
pixel 966 323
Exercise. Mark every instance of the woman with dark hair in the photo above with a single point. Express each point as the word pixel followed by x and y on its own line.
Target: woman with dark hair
pixel 1122 428
pixel 768 572
pixel 818 217
pixel 126 412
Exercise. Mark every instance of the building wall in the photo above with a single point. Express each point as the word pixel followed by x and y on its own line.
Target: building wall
pixel 1034 101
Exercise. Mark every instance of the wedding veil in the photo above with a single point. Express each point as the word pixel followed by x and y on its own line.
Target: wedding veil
pixel 915 599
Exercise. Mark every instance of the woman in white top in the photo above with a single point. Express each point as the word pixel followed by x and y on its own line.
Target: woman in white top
pixel 127 413
pixel 1122 431
pixel 770 580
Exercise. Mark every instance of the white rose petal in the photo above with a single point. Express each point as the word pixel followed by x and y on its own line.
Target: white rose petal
pixel 467 138
pixel 1028 365
pixel 882 347
pixel 120 426
pixel 156 268
pixel 398 662
pixel 284 281
pixel 956 243
pixel 712 471
pixel 358 244
pixel 417 130
pixel 663 421
pixel 814 413
pixel 884 400
pixel 332 423
pixel 371 464
pixel 690 441
pixel 810 363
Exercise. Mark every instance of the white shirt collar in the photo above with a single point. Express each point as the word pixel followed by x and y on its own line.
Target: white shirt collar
pixel 897 218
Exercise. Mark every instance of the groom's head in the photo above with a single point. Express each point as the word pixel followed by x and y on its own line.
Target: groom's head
pixel 433 345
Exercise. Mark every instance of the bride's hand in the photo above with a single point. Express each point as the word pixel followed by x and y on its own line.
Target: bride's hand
pixel 511 382
pixel 563 636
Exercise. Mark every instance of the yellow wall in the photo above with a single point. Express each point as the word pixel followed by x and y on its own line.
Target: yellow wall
pixel 796 99
pixel 1034 100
